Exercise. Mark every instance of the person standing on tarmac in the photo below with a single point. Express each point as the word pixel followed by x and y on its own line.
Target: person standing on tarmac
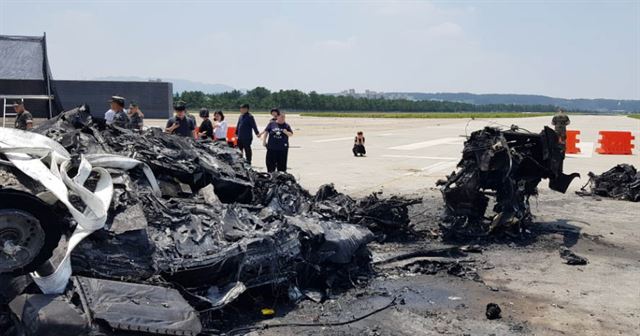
pixel 180 124
pixel 117 114
pixel 24 119
pixel 560 122
pixel 219 126
pixel 206 128
pixel 136 118
pixel 246 124
pixel 274 117
pixel 278 133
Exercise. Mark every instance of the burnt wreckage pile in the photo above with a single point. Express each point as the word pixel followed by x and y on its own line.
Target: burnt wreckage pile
pixel 508 165
pixel 621 182
pixel 172 228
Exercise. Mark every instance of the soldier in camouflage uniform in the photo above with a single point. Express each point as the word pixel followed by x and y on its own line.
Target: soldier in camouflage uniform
pixel 135 117
pixel 24 120
pixel 560 121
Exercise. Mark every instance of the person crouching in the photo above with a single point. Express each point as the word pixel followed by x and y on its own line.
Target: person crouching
pixel 278 133
pixel 358 145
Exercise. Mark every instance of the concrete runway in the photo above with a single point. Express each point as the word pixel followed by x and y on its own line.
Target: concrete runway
pixel 408 155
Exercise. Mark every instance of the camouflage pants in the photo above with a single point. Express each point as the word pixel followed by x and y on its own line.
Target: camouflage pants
pixel 562 134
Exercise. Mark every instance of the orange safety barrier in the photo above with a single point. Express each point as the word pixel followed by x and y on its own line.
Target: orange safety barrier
pixel 572 140
pixel 195 135
pixel 231 136
pixel 615 142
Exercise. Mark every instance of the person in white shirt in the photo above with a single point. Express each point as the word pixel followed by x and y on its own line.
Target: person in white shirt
pixel 117 104
pixel 219 126
pixel 109 116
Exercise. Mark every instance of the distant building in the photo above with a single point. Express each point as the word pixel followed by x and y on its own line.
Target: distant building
pixel 367 94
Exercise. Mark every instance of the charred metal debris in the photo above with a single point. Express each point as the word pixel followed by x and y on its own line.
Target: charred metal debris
pixel 507 165
pixel 621 182
pixel 180 242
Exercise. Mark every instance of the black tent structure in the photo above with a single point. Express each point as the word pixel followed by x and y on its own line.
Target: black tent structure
pixel 25 75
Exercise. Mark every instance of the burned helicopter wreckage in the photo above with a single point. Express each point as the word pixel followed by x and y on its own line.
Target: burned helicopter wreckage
pixel 508 165
pixel 161 226
pixel 621 182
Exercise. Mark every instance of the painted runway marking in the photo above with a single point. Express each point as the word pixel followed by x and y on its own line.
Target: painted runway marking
pixel 586 150
pixel 334 139
pixel 437 167
pixel 421 157
pixel 434 168
pixel 349 138
pixel 430 143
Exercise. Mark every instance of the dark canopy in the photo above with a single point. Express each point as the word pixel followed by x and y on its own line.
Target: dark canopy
pixel 24 71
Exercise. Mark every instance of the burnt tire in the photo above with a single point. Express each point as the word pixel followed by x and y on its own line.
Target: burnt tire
pixel 26 209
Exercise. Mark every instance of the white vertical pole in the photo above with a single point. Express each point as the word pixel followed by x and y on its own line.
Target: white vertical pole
pixel 4 111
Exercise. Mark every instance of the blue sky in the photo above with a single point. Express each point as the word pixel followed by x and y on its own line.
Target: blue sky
pixel 572 49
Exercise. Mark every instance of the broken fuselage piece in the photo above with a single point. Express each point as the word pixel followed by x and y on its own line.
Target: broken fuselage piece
pixel 508 165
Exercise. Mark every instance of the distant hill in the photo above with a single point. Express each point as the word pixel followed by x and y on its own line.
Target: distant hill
pixel 179 85
pixel 599 105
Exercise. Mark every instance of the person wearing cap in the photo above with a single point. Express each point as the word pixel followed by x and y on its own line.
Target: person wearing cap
pixel 278 133
pixel 136 118
pixel 206 128
pixel 24 119
pixel 117 115
pixel 220 126
pixel 246 124
pixel 180 124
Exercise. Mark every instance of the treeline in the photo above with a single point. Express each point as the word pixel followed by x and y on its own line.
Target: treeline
pixel 261 98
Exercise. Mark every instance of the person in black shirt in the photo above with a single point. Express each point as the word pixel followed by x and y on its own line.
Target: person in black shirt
pixel 246 124
pixel 206 128
pixel 358 145
pixel 278 133
pixel 274 116
pixel 180 124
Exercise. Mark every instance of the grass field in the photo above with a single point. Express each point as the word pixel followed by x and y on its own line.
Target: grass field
pixel 425 115
pixel 634 116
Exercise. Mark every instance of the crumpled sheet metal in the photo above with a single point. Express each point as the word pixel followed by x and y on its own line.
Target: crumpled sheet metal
pixel 50 315
pixel 339 242
pixel 56 180
pixel 621 182
pixel 230 229
pixel 27 152
pixel 139 307
pixel 508 165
